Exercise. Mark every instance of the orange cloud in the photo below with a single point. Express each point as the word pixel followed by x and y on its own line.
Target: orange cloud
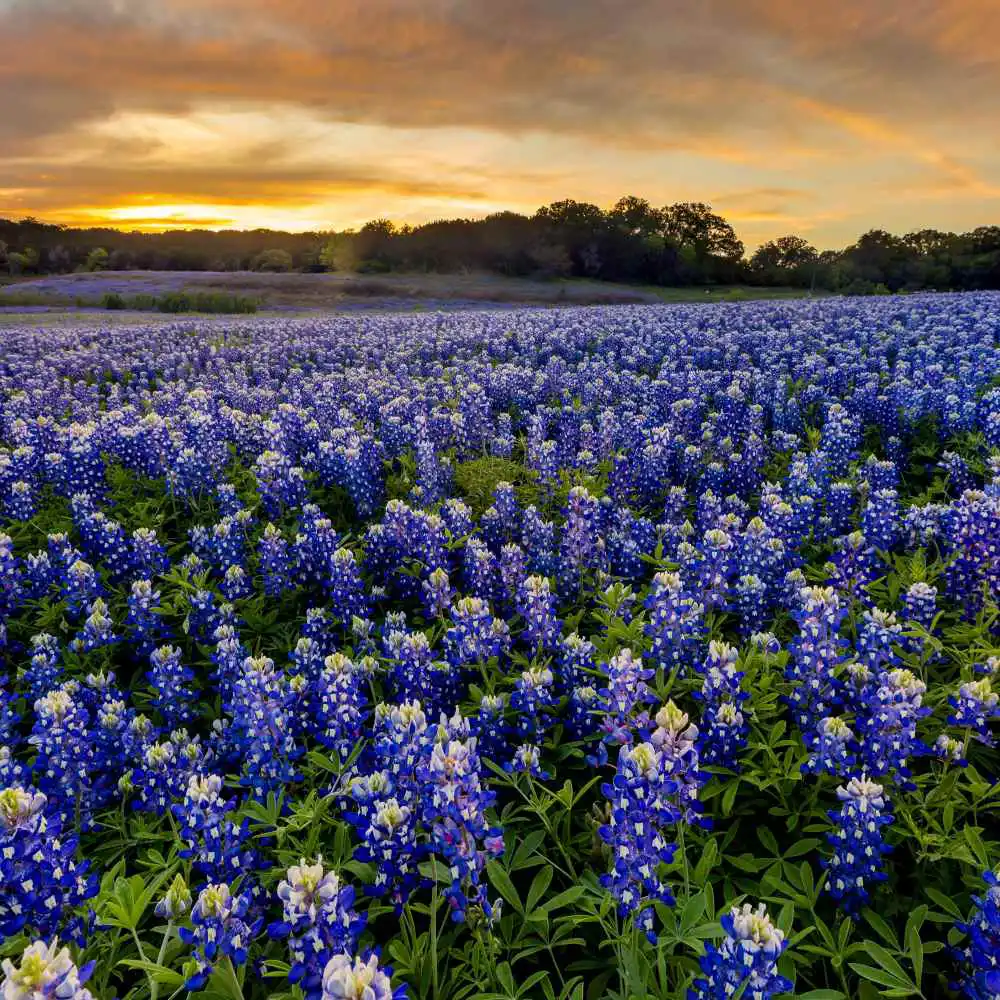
pixel 413 109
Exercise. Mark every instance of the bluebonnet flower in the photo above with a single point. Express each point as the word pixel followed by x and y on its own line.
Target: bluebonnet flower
pixel 319 921
pixel 36 577
pixel 676 623
pixel 491 729
pixel 236 583
pixel 314 547
pixel 149 557
pixel 415 673
pixel 538 539
pixel 980 957
pixel 749 602
pixel 147 627
pixel 389 841
pixel 533 700
pixel 832 747
pixel 816 653
pixel 841 437
pixel 103 539
pixel 228 656
pixel 455 803
pixel 280 484
pixel 347 978
pixel 723 732
pixel 853 566
pixel 226 544
pixel 45 972
pixel 639 816
pixel 577 664
pixel 345 588
pixel 677 739
pixel 536 605
pixel 354 461
pixel 970 544
pixel 9 716
pixel 920 604
pixel 584 712
pixel 513 570
pixel 480 570
pixel 217 843
pixel 840 506
pixel 12 771
pixel 503 440
pixel 341 705
pixel 163 770
pixel 66 756
pixel 173 683
pixel 20 501
pixel 625 695
pixel 431 478
pixel 880 519
pixel 98 629
pixel 957 470
pixel 219 929
pixel 275 562
pixel 949 750
pixel 263 727
pixel 858 843
pixel 83 468
pixel 887 723
pixel 527 759
pixel 203 616
pixel 974 706
pixel 457 517
pixel 747 961
pixel 41 882
pixel 437 593
pixel 80 586
pixel 582 547
pixel 176 901
pixel 715 565
pixel 475 635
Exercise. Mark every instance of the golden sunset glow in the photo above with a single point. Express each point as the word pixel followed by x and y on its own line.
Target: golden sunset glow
pixel 818 119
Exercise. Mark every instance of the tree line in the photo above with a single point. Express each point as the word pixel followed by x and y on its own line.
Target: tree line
pixel 681 244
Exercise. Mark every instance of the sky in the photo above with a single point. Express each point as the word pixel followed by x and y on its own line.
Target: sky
pixel 822 119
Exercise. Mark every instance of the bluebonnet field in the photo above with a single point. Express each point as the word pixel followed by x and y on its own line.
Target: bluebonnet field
pixel 621 652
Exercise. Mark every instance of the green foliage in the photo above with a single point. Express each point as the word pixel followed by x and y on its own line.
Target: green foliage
pixel 476 481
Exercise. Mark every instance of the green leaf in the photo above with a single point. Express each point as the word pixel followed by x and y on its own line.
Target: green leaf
pixel 977 846
pixel 501 881
pixel 821 995
pixel 765 836
pixel 945 902
pixel 915 948
pixel 159 973
pixel 565 898
pixel 803 846
pixel 729 797
pixel 538 887
pixel 881 977
pixel 880 927
pixel 886 960
pixel 506 978
pixel 707 861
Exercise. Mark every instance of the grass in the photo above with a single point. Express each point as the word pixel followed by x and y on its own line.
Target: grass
pixel 230 292
pixel 732 293
pixel 169 302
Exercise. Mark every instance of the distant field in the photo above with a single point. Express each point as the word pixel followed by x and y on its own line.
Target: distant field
pixel 335 292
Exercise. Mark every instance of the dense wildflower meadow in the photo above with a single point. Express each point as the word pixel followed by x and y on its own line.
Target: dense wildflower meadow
pixel 627 652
